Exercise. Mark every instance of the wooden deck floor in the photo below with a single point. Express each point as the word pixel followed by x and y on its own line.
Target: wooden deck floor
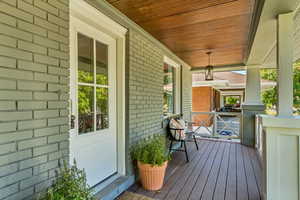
pixel 219 170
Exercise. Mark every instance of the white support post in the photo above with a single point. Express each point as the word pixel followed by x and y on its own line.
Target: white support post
pixel 253 86
pixel 221 101
pixel 280 135
pixel 285 64
pixel 215 124
pixel 252 105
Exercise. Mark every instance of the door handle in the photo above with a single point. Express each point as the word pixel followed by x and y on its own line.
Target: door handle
pixel 73 121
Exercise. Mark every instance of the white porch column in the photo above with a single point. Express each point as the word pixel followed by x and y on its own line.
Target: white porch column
pixel 221 101
pixel 253 86
pixel 285 64
pixel 252 105
pixel 280 135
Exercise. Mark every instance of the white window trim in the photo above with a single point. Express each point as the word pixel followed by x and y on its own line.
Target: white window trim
pixel 177 98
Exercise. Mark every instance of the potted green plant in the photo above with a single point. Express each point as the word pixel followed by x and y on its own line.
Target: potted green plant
pixel 70 184
pixel 152 160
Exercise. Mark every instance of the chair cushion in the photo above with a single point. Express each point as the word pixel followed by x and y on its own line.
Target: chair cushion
pixel 177 134
pixel 182 123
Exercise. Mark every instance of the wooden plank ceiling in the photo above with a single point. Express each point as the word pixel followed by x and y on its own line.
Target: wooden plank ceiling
pixel 190 28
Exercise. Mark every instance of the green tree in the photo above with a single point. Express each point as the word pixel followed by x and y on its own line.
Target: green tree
pixel 269 97
pixel 231 100
pixel 297 87
pixel 85 93
pixel 86 101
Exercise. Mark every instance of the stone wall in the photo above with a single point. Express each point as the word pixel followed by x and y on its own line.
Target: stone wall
pixel 34 71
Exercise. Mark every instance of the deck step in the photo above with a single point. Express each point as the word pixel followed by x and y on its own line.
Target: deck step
pixel 115 188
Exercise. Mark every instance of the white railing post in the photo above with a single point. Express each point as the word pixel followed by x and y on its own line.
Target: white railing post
pixel 215 125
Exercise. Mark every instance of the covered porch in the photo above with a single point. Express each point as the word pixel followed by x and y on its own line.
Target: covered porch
pixel 253 168
pixel 89 79
pixel 219 170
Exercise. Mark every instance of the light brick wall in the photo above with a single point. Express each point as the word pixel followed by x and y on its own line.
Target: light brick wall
pixel 34 73
pixel 145 64
pixel 145 88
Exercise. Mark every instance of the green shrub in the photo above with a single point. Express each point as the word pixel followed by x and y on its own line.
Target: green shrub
pixel 70 184
pixel 151 150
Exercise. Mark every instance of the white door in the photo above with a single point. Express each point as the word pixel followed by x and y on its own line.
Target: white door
pixel 93 101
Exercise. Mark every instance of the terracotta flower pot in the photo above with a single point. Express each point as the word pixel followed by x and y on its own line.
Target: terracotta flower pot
pixel 152 177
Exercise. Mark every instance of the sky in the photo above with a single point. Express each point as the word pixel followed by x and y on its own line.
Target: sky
pixel 243 72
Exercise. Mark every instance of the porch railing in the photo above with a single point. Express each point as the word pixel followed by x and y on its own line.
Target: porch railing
pixel 217 124
pixel 259 131
pixel 278 141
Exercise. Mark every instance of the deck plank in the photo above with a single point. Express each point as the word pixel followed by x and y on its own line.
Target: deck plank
pixel 186 173
pixel 242 188
pixel 251 181
pixel 202 179
pixel 187 188
pixel 257 169
pixel 209 188
pixel 231 176
pixel 180 170
pixel 220 189
pixel 219 170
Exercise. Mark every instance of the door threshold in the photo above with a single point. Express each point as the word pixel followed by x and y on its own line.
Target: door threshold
pixel 115 188
pixel 99 186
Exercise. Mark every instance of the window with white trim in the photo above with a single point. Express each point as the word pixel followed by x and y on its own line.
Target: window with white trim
pixel 171 87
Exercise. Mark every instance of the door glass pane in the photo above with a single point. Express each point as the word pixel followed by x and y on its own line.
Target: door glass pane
pixel 85 109
pixel 102 63
pixel 102 108
pixel 85 59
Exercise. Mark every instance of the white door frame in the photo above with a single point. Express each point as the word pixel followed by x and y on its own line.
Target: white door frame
pixel 86 13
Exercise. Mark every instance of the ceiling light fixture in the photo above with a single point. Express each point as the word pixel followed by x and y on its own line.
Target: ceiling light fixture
pixel 209 75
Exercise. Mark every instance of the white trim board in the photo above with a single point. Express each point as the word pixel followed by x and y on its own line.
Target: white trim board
pixel 171 62
pixel 83 9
